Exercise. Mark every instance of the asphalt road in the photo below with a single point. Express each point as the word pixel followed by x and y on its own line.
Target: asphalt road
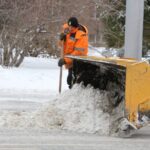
pixel 58 140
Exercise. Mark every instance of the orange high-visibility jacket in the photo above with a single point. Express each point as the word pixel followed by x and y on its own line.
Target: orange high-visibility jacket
pixel 76 44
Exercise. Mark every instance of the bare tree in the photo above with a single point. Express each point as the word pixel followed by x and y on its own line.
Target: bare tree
pixel 30 27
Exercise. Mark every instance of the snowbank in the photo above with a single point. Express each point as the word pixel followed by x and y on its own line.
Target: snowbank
pixel 79 110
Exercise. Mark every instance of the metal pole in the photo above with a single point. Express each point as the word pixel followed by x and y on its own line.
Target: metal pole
pixel 134 28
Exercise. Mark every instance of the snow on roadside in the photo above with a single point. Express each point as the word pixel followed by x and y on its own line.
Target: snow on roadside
pixel 79 110
pixel 34 79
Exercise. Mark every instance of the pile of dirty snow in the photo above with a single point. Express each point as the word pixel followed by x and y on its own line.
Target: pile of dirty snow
pixel 80 109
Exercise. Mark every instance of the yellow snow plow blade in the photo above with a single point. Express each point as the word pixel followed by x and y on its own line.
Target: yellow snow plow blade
pixel 137 91
pixel 126 80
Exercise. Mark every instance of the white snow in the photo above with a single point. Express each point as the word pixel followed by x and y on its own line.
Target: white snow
pixel 36 77
pixel 78 109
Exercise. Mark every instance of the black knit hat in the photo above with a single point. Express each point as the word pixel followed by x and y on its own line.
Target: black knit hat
pixel 73 22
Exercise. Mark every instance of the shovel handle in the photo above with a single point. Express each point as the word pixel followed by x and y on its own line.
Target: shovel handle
pixel 60 79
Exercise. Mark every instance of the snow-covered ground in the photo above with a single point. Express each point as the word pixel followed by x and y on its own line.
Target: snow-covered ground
pixel 36 78
pixel 33 115
pixel 29 98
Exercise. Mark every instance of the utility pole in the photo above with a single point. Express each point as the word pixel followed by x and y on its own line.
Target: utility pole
pixel 134 28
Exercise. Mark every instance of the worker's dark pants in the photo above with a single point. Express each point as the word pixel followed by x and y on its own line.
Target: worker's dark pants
pixel 70 78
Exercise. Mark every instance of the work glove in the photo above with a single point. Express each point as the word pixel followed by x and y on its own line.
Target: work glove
pixel 62 37
pixel 61 62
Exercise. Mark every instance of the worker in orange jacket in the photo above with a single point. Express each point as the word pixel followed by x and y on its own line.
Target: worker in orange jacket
pixel 75 42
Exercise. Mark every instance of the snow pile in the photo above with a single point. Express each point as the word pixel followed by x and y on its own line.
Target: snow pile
pixel 16 119
pixel 93 51
pixel 105 52
pixel 79 110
